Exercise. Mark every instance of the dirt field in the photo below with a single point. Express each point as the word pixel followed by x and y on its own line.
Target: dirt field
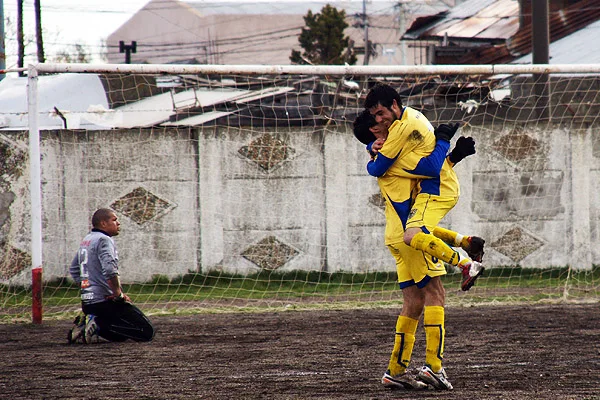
pixel 516 352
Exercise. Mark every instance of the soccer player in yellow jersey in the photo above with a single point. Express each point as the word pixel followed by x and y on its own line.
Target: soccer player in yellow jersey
pixel 374 134
pixel 408 150
pixel 409 260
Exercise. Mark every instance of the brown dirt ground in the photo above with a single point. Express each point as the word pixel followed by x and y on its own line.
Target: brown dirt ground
pixel 492 352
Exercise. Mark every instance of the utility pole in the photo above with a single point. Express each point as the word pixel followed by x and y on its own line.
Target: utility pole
pixel 366 28
pixel 127 49
pixel 2 48
pixel 38 31
pixel 541 55
pixel 402 30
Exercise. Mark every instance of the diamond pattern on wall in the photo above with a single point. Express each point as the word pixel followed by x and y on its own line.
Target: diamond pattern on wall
pixel 517 146
pixel 267 151
pixel 377 200
pixel 13 261
pixel 269 253
pixel 141 205
pixel 517 244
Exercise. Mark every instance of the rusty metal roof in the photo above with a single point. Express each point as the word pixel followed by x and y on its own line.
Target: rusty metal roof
pixel 581 47
pixel 473 19
pixel 561 22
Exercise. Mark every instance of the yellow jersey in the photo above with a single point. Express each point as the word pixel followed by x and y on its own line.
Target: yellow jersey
pixel 411 162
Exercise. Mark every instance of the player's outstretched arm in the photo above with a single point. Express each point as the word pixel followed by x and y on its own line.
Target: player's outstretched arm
pixel 465 146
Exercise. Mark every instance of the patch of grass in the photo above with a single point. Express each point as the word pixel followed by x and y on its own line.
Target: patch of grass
pixel 505 284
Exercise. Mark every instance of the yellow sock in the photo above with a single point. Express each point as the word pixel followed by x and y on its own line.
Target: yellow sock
pixel 436 247
pixel 433 322
pixel 450 237
pixel 403 345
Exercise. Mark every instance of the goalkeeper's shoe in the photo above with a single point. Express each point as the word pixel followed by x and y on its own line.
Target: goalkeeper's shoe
pixel 438 380
pixel 471 270
pixel 91 329
pixel 475 248
pixel 406 380
pixel 77 332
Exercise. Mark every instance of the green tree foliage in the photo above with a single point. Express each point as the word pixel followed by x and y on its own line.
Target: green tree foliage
pixel 323 39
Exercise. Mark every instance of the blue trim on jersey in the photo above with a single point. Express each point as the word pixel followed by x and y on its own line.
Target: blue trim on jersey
pixel 431 186
pixel 370 149
pixel 380 165
pixel 404 285
pixel 432 164
pixel 402 209
pixel 423 282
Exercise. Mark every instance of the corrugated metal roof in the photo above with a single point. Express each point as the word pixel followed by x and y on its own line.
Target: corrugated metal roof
pixel 581 47
pixel 468 8
pixel 500 28
pixel 473 19
pixel 82 100
pixel 562 23
pixel 79 97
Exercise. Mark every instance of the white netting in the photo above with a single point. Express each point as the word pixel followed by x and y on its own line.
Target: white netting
pixel 245 187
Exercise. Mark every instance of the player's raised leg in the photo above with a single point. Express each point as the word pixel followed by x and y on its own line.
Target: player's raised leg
pixel 436 247
pixel 473 245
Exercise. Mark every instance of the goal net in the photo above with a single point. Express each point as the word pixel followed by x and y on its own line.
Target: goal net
pixel 243 187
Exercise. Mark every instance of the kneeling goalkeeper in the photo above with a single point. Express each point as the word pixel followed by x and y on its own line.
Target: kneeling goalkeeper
pixel 108 312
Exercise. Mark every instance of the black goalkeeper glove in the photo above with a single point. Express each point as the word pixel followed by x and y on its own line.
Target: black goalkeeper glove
pixel 465 146
pixel 446 131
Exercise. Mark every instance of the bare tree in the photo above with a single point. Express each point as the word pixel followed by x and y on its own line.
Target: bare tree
pixel 20 37
pixel 38 31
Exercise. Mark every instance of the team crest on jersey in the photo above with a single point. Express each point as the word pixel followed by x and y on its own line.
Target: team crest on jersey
pixel 412 213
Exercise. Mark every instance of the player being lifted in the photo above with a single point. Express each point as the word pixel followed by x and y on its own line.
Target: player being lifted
pixel 410 148
pixel 374 134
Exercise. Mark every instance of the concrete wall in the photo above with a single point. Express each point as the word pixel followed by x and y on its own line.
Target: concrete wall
pixel 239 200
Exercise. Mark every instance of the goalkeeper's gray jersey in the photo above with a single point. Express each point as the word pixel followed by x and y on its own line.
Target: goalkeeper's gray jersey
pixel 95 262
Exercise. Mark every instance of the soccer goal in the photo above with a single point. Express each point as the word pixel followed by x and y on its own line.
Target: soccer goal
pixel 243 187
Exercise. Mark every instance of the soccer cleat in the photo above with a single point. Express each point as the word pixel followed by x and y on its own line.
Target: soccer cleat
pixel 471 270
pixel 91 329
pixel 438 380
pixel 76 333
pixel 405 381
pixel 475 248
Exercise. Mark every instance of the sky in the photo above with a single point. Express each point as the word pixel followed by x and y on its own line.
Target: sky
pixel 69 22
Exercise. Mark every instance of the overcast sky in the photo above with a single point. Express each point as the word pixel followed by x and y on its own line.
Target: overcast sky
pixel 69 22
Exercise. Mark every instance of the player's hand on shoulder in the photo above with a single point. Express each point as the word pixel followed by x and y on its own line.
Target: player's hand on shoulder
pixel 377 145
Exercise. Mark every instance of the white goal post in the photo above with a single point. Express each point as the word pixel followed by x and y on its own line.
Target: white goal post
pixel 258 169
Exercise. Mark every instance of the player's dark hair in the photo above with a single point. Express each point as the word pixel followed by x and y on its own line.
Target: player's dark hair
pixel 362 123
pixel 101 214
pixel 382 94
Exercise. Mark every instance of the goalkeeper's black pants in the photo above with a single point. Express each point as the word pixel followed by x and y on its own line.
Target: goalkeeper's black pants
pixel 119 321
